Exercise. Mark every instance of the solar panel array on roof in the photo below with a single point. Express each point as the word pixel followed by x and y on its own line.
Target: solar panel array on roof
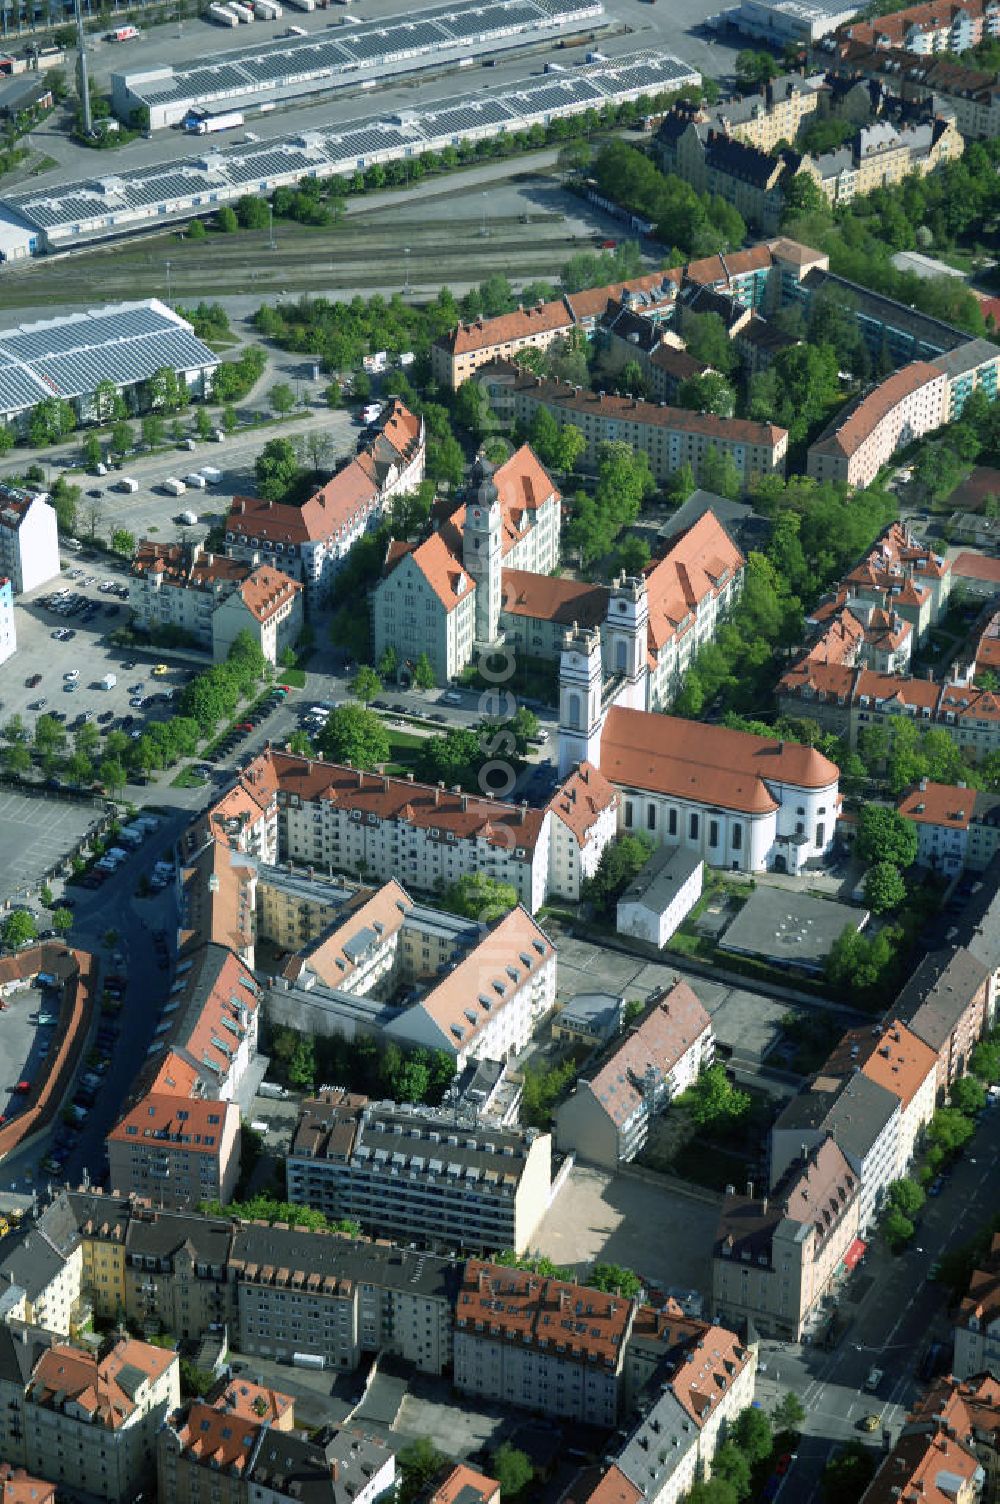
pixel 124 343
pixel 79 210
pixel 439 29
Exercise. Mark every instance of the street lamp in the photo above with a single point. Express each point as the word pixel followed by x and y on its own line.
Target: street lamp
pixel 168 281
pixel 270 224
pixel 406 275
pixel 484 231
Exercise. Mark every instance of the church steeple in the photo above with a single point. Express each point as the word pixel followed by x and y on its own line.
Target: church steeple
pixel 481 550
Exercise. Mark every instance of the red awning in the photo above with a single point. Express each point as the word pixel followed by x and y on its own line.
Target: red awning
pixel 854 1254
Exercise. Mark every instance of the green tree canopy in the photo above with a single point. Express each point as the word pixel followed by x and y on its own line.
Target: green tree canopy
pixel 277 469
pixel 885 888
pixel 512 1469
pixel 354 734
pixel 476 896
pixel 884 835
pixel 18 929
pixel 713 1100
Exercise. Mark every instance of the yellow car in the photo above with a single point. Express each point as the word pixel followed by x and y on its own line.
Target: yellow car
pixel 870 1423
pixel 160 670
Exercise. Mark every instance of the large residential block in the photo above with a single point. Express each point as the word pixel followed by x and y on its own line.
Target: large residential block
pixel 946 1003
pixel 928 27
pixel 670 436
pixel 311 541
pixel 91 1422
pixel 605 1120
pixel 537 1343
pixel 775 1256
pixel 211 599
pixel 893 1057
pixel 418 1174
pixel 957 828
pixel 902 408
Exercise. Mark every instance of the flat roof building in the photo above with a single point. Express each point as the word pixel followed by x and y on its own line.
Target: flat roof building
pixel 790 929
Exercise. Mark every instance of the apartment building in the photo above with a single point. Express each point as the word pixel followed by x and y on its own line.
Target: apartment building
pixel 177 1140
pixel 861 1116
pixel 537 1343
pixel 40 1275
pixel 465 1484
pixel 970 94
pixel 969 1412
pixel 946 1004
pixel 973 367
pixel 584 820
pixel 90 1422
pixel 775 113
pixel 928 1462
pixel 424 1175
pixel 463 351
pixel 8 632
pixel 958 828
pixel 894 1058
pixel 670 436
pixel 211 599
pixel 442 596
pixel 310 542
pixel 337 1298
pixel 775 1256
pixel 902 408
pixel 705 1383
pixel 605 1121
pixel 241 1447
pixel 934 26
pixel 977 928
pixel 20 1487
pixel 846 701
pixel 977 1326
pixel 29 542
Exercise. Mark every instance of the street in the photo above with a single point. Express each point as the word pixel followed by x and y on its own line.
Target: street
pixel 894 1315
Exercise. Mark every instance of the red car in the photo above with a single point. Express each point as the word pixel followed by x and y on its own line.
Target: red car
pixel 245 726
pixel 783 1463
pixel 285 688
pixel 23 1087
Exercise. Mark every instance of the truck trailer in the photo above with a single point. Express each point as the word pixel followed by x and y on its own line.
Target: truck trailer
pixel 174 486
pixel 208 125
pixel 223 15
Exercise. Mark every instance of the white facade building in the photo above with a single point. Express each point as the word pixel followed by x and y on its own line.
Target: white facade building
pixel 29 542
pixel 8 633
pixel 661 896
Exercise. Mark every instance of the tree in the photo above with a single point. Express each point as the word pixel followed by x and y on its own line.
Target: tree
pixel 418 1463
pixel 354 734
pixel 203 423
pixel 17 759
pixel 153 430
pixel 512 1469
pixel 884 835
pixel 423 673
pixel 93 454
pixel 752 1434
pixel 281 398
pixel 226 221
pixel 949 1130
pixel 897 1229
pixel 302 1066
pixel 803 195
pixel 729 1466
pixel 885 888
pixel 388 664
pixel 51 419
pixel 619 863
pixel 707 340
pixel 906 1196
pixel 49 735
pixel 122 437
pixel 717 472
pixel 62 920
pixel 476 896
pixel 713 1100
pixel 967 1095
pixel 709 393
pixel 64 499
pixel 847 1475
pixel 614 1278
pixel 366 684
pixel 123 542
pixel 18 929
pixel 277 469
pixel 569 447
pixel 789 1413
pixel 755 67
pixel 984 1062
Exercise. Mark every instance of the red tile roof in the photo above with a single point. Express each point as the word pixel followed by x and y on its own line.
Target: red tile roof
pixel 462 1479
pixel 895 1059
pixel 663 1037
pixel 708 764
pixel 973 566
pixel 582 799
pixel 849 434
pixel 698 565
pixel 266 591
pixel 938 804
pixel 66 1374
pixel 556 1316
pixel 553 598
pixel 19 1487
pixel 180 1122
pixel 712 270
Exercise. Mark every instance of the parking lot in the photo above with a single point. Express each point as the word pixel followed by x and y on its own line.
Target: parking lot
pixel 63 675
pixel 26 1043
pixel 35 833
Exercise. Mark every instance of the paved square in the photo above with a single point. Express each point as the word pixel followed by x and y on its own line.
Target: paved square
pixel 665 1237
pixel 35 832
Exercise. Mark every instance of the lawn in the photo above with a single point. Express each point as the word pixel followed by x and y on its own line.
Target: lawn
pixel 187 778
pixel 403 750
pixel 295 677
